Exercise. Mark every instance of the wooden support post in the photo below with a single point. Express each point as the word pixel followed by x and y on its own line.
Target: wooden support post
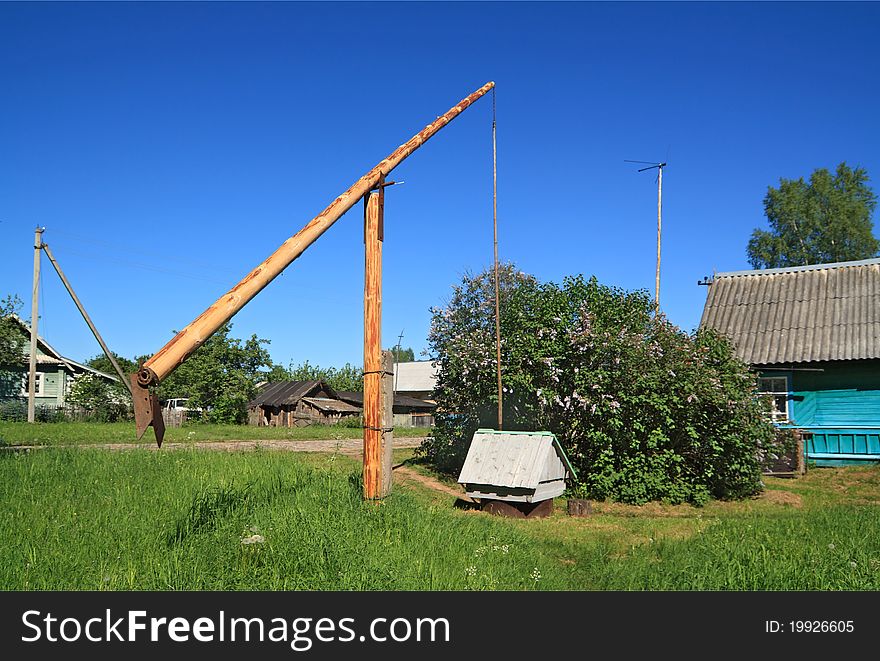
pixel 374 424
pixel 35 296
pixel 800 465
pixel 387 421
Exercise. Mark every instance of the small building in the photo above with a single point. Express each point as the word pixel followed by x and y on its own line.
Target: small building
pixel 416 379
pixel 298 404
pixel 812 333
pixel 55 375
pixel 407 411
pixel 518 467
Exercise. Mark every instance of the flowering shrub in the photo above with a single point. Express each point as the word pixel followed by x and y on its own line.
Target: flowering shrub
pixel 644 410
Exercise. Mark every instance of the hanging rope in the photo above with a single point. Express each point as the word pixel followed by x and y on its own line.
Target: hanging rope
pixel 497 288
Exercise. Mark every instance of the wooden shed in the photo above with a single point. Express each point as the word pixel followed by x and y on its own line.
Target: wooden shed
pixel 515 467
pixel 298 404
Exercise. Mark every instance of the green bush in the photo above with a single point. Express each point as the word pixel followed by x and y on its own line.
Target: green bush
pixel 644 410
pixel 351 422
pixel 16 410
pixel 98 400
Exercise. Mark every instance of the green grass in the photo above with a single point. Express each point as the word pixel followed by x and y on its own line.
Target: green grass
pixel 89 519
pixel 819 532
pixel 92 520
pixel 78 433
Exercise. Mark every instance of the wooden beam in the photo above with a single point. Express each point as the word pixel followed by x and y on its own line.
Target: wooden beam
pixel 178 349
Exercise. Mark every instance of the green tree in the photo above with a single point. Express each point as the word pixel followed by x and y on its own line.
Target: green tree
pixel 403 355
pixel 347 378
pixel 103 364
pixel 103 401
pixel 12 347
pixel 277 373
pixel 644 410
pixel 825 220
pixel 12 341
pixel 220 376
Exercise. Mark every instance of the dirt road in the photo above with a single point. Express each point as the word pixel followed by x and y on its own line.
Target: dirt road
pixel 349 446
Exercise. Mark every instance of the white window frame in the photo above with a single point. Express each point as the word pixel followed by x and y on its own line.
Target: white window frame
pixel 39 380
pixel 777 390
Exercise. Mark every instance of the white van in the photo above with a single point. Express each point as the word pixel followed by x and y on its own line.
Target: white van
pixel 179 404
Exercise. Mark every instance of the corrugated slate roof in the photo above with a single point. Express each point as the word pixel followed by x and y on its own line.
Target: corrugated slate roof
pixel 286 392
pixel 801 314
pixel 331 405
pixel 400 401
pixel 509 459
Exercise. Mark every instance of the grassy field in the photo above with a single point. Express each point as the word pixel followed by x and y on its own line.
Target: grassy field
pixel 78 433
pixel 89 519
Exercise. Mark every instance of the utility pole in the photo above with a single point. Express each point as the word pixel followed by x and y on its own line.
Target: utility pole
pixel 659 167
pixel 32 371
pixel 397 360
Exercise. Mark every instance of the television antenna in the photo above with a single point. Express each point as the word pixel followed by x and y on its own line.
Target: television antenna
pixel 651 165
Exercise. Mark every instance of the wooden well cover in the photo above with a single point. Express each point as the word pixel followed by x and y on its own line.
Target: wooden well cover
pixel 515 465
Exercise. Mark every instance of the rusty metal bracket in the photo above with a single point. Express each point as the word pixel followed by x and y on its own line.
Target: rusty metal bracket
pixel 146 408
pixel 380 429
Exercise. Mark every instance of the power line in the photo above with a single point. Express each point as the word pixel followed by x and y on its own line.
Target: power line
pixel 145 267
pixel 120 249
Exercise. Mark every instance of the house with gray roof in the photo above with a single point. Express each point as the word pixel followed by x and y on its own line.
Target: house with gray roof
pixel 416 379
pixel 813 335
pixel 55 374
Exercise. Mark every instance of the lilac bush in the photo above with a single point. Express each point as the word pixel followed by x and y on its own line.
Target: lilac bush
pixel 644 410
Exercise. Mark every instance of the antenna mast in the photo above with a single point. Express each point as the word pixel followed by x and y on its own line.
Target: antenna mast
pixel 397 361
pixel 659 167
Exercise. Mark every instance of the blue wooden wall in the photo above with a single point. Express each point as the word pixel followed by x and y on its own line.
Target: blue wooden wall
pixel 840 406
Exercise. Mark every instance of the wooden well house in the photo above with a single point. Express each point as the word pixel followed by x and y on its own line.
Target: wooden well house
pixel 515 473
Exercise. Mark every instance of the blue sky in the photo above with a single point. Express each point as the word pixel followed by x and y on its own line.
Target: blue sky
pixel 168 148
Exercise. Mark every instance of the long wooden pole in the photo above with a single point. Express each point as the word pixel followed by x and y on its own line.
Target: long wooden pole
pixel 659 207
pixel 35 297
pixel 85 316
pixel 497 287
pixel 374 371
pixel 178 349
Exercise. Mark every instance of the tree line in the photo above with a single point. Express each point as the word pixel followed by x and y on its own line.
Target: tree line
pixel 219 378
